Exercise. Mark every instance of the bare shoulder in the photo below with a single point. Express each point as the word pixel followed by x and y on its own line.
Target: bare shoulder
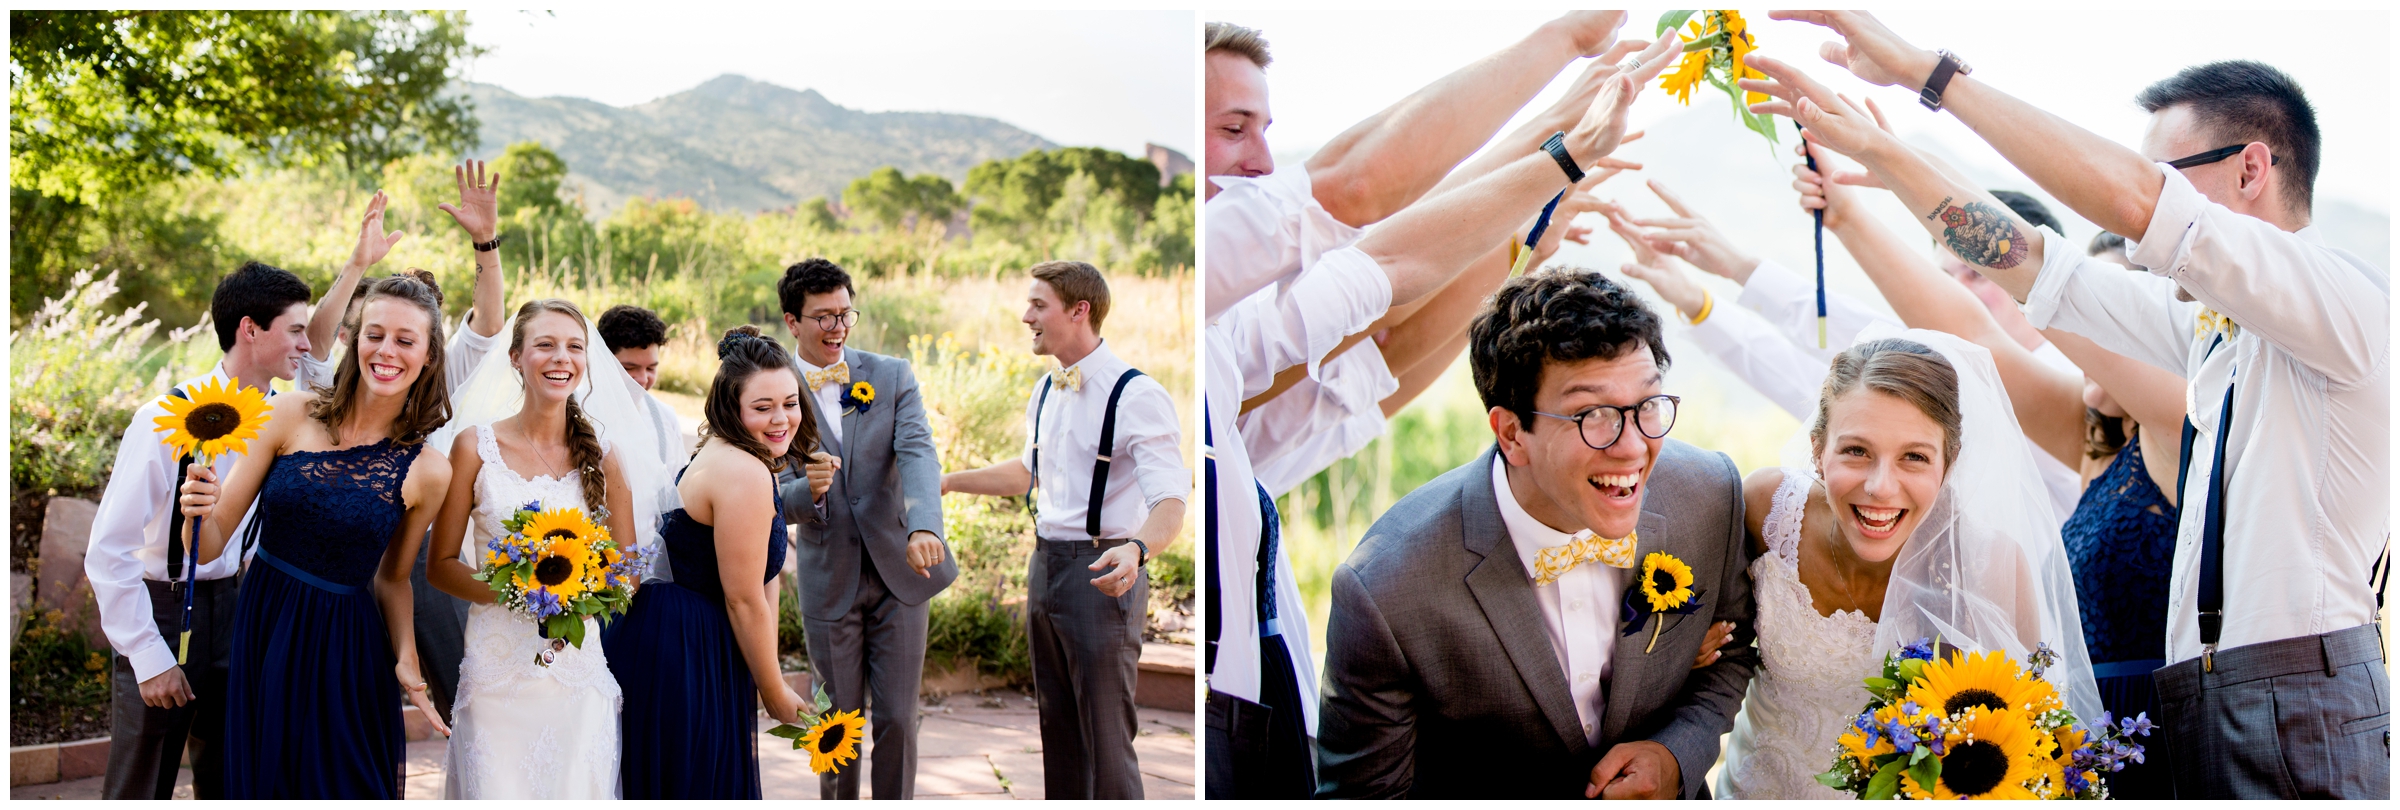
pixel 428 477
pixel 1758 496
pixel 723 468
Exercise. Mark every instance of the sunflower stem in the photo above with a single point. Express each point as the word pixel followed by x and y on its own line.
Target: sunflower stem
pixel 1660 627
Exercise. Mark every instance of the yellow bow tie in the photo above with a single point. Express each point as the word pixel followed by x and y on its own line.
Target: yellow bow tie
pixel 1584 547
pixel 2213 321
pixel 1069 378
pixel 838 374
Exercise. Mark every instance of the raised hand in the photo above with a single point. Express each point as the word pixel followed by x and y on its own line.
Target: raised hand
pixel 1834 198
pixel 373 242
pixel 1603 126
pixel 199 491
pixel 478 208
pixel 1829 118
pixel 1869 51
pixel 1692 238
pixel 1592 32
pixel 1679 290
pixel 1578 202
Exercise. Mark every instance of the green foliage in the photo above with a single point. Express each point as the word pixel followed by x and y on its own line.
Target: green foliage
pixel 102 102
pixel 791 631
pixel 890 199
pixel 57 681
pixel 817 214
pixel 530 177
pixel 76 376
pixel 981 616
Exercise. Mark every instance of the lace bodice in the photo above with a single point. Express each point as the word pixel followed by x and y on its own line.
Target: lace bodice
pixel 2121 541
pixel 1810 669
pixel 332 512
pixel 538 732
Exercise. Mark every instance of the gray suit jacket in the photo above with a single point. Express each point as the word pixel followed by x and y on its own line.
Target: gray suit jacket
pixel 890 485
pixel 1440 680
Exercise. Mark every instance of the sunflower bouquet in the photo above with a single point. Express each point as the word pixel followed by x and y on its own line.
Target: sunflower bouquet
pixel 1958 725
pixel 1716 51
pixel 560 568
pixel 830 737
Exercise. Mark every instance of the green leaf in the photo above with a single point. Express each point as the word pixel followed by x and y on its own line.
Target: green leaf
pixel 574 630
pixel 1885 785
pixel 1911 670
pixel 1919 754
pixel 1833 780
pixel 1880 683
pixel 788 731
pixel 1673 20
pixel 1926 772
pixel 1705 43
pixel 824 702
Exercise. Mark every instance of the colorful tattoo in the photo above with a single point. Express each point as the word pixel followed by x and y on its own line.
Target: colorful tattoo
pixel 1938 208
pixel 1984 236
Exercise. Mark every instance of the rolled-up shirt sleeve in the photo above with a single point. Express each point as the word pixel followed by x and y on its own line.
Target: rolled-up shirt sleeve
pixel 1262 230
pixel 1152 435
pixel 2296 293
pixel 1341 294
pixel 464 355
pixel 2132 314
pixel 138 486
pixel 1787 374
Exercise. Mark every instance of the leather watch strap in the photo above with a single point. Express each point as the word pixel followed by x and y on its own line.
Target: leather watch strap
pixel 1557 147
pixel 1943 70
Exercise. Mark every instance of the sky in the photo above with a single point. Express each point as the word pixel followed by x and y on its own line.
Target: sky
pixel 1334 68
pixel 1092 78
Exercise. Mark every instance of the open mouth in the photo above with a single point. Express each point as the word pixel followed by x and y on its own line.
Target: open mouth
pixel 1877 522
pixel 778 436
pixel 559 377
pixel 1622 490
pixel 383 373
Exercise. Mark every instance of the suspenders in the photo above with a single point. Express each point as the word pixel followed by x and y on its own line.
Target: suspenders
pixel 2212 526
pixel 1102 454
pixel 1208 452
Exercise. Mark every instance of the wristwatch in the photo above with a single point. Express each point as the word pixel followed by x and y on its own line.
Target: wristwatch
pixel 1931 95
pixel 487 247
pixel 1144 547
pixel 1557 147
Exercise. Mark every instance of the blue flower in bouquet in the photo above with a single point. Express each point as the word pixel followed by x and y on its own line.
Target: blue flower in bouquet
pixel 543 603
pixel 1921 650
pixel 531 506
pixel 2041 659
pixel 2138 724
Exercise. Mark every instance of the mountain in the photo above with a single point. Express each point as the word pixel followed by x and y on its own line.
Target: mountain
pixel 735 144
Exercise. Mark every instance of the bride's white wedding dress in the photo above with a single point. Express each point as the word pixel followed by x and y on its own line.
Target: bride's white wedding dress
pixel 1811 668
pixel 522 730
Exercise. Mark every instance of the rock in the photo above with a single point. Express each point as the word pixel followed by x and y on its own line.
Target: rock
pixel 20 597
pixel 61 585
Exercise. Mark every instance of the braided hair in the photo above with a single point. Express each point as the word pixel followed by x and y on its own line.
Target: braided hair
pixel 743 352
pixel 583 440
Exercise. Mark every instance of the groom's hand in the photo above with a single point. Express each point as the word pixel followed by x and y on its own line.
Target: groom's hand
pixel 1636 770
pixel 924 552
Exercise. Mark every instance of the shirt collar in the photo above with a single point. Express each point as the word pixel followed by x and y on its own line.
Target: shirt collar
pixel 1100 360
pixel 1531 535
pixel 839 359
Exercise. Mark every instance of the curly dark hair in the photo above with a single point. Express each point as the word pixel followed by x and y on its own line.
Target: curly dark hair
pixel 255 290
pixel 626 326
pixel 814 276
pixel 1565 315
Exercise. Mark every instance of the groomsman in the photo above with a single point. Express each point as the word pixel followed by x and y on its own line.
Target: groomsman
pixel 140 564
pixel 871 553
pixel 1112 489
pixel 634 335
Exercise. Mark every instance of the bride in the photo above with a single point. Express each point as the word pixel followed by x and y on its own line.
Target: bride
pixel 524 730
pixel 1910 511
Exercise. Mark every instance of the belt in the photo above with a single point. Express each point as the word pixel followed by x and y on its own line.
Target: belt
pixel 319 582
pixel 1094 542
pixel 2326 653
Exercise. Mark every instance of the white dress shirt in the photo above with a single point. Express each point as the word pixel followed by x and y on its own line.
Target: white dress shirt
pixel 829 396
pixel 672 452
pixel 1145 467
pixel 1341 293
pixel 1319 421
pixel 1579 611
pixel 460 357
pixel 1775 350
pixel 1265 229
pixel 129 536
pixel 2308 490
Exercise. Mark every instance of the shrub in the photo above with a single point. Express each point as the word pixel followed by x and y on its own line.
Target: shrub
pixel 77 374
pixel 58 683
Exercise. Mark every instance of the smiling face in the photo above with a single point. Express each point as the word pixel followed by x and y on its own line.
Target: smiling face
pixel 1054 325
pixel 1557 476
pixel 1883 465
pixel 1237 118
pixel 280 345
pixel 551 357
pixel 770 403
pixel 394 337
pixel 820 346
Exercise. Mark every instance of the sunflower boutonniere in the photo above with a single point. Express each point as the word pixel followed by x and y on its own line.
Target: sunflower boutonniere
pixel 858 398
pixel 1664 587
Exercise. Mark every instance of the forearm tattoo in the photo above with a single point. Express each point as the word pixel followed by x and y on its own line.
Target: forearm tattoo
pixel 1983 236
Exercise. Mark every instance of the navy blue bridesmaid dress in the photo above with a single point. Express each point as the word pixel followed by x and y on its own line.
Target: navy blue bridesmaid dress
pixel 314 706
pixel 2121 544
pixel 690 722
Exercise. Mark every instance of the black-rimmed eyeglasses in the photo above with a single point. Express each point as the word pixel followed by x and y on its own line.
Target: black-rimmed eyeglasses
pixel 832 322
pixel 1653 417
pixel 2214 155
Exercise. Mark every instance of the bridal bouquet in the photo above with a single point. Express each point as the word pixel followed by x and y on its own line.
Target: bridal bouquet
pixel 558 567
pixel 1975 726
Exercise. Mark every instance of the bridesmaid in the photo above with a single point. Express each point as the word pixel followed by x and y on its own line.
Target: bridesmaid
pixel 696 655
pixel 323 642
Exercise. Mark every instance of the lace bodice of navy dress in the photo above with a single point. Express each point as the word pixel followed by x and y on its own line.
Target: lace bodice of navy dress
pixel 330 513
pixel 2121 544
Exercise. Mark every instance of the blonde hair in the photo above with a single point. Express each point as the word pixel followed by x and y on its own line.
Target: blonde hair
pixel 1239 41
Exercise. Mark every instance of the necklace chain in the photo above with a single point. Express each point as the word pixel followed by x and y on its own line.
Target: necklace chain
pixel 537 451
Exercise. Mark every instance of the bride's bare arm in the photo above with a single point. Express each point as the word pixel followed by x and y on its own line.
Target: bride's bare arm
pixel 443 569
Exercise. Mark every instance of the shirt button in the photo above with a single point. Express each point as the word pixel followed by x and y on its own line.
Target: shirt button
pixel 1575 605
pixel 1585 677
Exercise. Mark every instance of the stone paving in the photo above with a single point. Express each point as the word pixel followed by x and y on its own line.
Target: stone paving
pixel 970 746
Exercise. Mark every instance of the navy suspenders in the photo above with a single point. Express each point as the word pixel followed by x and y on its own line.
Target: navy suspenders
pixel 1102 454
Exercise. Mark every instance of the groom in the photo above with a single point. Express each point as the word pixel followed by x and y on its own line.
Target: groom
pixel 1490 637
pixel 870 554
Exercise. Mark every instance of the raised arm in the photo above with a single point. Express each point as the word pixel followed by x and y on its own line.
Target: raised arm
pixel 1386 162
pixel 478 214
pixel 373 245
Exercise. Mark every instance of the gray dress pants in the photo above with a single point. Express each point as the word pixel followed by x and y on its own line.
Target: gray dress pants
pixel 1087 651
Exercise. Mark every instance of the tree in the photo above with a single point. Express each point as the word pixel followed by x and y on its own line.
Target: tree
pixel 1016 195
pixel 818 215
pixel 889 198
pixel 533 175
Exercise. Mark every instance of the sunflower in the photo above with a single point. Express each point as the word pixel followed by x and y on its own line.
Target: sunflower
pixel 1987 679
pixel 833 741
pixel 1854 745
pixel 564 538
pixel 1666 581
pixel 216 418
pixel 2068 740
pixel 1737 36
pixel 1679 82
pixel 861 391
pixel 1988 754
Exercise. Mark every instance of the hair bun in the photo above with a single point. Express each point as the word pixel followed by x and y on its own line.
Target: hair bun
pixel 737 336
pixel 425 277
